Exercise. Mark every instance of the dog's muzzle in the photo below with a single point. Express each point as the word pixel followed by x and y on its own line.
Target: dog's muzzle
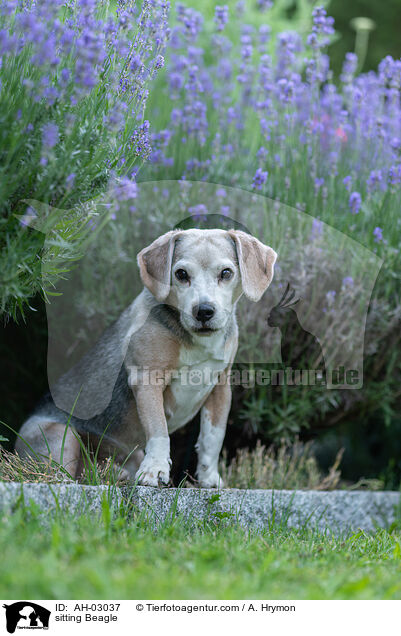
pixel 203 313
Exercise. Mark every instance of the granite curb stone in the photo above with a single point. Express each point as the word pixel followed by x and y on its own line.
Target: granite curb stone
pixel 70 498
pixel 336 510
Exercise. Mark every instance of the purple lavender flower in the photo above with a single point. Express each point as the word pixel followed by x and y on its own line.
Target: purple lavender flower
pixel 221 17
pixel 349 68
pixel 29 216
pixel 285 90
pixel 264 33
pixel 347 182
pixel 264 5
pixel 240 8
pixel 262 153
pixel 322 23
pixel 50 135
pixel 330 297
pixel 65 76
pixel 321 30
pixel 191 20
pixel 70 180
pixel 288 44
pixel 319 183
pixel 125 189
pixel 317 229
pixel 159 62
pixel 198 212
pixel 92 224
pixel 394 175
pixel 246 50
pixel 355 201
pixel 348 281
pixel 374 180
pixel 259 179
pixel 387 68
pixel 395 144
pixel 277 159
pixel 140 140
pixel 378 235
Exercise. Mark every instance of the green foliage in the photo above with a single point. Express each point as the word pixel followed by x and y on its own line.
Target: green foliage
pixel 26 267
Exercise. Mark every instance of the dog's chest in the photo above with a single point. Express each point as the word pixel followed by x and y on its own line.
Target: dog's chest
pixel 197 374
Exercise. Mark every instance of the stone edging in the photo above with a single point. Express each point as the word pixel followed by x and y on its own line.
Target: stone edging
pixel 337 510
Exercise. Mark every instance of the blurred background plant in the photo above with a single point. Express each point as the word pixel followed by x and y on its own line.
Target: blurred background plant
pixel 257 95
pixel 383 39
pixel 285 466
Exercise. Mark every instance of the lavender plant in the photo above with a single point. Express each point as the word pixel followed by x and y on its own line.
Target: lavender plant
pixel 74 83
pixel 270 117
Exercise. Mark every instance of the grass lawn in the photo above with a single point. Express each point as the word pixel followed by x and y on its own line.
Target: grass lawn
pixel 85 558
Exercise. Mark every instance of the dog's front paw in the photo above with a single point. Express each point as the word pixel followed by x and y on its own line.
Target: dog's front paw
pixel 209 479
pixel 153 472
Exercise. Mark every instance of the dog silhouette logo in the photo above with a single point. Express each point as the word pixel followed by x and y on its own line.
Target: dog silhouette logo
pixel 26 615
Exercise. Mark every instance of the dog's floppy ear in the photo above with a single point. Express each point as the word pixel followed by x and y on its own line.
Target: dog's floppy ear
pixel 155 264
pixel 256 264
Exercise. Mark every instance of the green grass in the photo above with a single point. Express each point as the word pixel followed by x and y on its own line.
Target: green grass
pixel 115 559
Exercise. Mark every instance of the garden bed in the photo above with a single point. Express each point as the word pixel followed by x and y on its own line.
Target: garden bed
pixel 337 511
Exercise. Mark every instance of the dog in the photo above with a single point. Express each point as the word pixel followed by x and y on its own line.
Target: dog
pixel 183 322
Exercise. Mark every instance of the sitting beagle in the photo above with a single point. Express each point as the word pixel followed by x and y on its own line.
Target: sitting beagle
pixel 177 342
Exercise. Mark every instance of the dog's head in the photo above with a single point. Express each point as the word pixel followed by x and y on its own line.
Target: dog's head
pixel 202 273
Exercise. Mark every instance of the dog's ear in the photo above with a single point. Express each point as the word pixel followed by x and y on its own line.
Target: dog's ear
pixel 256 264
pixel 155 264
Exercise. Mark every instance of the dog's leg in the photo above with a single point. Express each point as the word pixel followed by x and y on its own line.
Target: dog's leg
pixel 214 414
pixel 49 438
pixel 155 467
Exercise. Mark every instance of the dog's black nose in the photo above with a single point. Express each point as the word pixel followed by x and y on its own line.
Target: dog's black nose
pixel 203 312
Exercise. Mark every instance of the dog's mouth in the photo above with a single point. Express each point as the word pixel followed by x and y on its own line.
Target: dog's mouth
pixel 204 331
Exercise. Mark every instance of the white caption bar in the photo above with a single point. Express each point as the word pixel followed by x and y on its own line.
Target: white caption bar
pixel 193 617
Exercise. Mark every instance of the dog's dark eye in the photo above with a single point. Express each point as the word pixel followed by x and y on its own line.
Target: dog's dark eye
pixel 226 274
pixel 181 275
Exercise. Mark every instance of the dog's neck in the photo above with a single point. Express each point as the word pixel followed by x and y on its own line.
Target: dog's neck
pixel 169 317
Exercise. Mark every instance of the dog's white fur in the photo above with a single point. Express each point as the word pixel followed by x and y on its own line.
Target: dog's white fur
pixel 179 350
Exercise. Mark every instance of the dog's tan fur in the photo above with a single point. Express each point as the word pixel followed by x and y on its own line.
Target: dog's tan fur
pixel 164 330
